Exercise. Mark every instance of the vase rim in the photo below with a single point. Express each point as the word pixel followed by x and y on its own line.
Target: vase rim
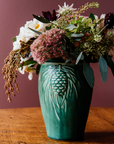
pixel 59 63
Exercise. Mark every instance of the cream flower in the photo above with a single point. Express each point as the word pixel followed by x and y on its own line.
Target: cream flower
pixel 16 45
pixel 102 22
pixel 96 17
pixel 26 34
pixel 30 76
pixel 64 8
pixel 22 71
pixel 20 37
pixel 34 24
pixel 27 69
pixel 30 71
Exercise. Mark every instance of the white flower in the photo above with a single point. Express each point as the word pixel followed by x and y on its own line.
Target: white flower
pixel 96 17
pixel 65 7
pixel 26 34
pixel 27 69
pixel 34 24
pixel 20 37
pixel 97 38
pixel 22 71
pixel 30 71
pixel 30 76
pixel 102 16
pixel 102 22
pixel 16 45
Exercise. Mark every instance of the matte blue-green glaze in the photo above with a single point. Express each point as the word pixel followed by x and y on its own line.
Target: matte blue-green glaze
pixel 65 99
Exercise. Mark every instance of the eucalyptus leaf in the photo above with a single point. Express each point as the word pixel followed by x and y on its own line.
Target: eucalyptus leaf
pixel 68 60
pixel 14 39
pixel 64 44
pixel 92 16
pixel 38 68
pixel 78 58
pixel 63 47
pixel 41 19
pixel 70 27
pixel 82 57
pixel 35 31
pixel 77 39
pixel 110 63
pixel 76 54
pixel 77 35
pixel 88 74
pixel 103 68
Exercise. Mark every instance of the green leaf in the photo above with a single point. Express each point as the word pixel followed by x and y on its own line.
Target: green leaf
pixel 28 62
pixel 68 60
pixel 77 39
pixel 70 27
pixel 14 39
pixel 38 68
pixel 48 28
pixel 78 58
pixel 63 47
pixel 41 19
pixel 77 35
pixel 89 74
pixel 35 31
pixel 92 16
pixel 110 63
pixel 76 54
pixel 103 68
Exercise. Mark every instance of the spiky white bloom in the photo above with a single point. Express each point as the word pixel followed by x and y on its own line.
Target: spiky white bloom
pixel 65 7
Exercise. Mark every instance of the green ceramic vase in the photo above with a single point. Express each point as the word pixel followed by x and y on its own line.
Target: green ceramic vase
pixel 65 98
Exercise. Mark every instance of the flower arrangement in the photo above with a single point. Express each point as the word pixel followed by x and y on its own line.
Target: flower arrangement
pixel 66 35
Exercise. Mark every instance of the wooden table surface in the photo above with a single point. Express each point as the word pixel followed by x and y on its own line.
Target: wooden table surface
pixel 26 126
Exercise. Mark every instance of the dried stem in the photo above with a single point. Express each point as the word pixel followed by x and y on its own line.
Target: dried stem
pixel 10 68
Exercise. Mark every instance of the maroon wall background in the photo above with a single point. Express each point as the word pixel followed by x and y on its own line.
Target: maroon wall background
pixel 13 15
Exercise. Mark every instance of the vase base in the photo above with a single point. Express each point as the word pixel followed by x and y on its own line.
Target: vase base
pixel 69 139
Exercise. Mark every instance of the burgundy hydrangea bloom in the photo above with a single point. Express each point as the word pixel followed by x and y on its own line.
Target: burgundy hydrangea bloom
pixel 51 17
pixel 48 45
pixel 109 20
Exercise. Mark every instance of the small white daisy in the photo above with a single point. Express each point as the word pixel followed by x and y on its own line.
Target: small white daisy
pixel 64 8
